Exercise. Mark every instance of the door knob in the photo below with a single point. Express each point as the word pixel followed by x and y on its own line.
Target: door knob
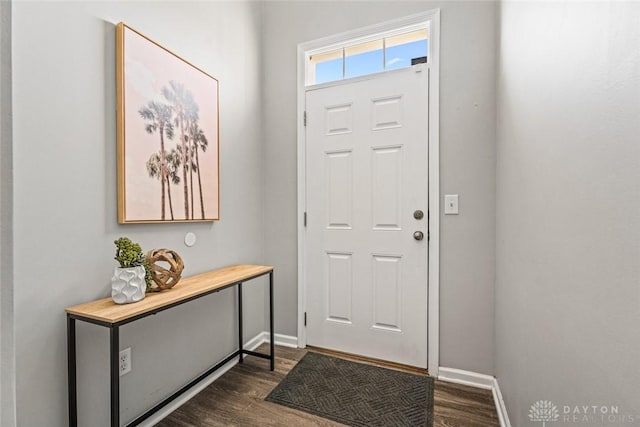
pixel 418 235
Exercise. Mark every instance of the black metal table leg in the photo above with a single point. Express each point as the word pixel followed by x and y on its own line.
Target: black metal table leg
pixel 240 339
pixel 114 350
pixel 271 334
pixel 71 371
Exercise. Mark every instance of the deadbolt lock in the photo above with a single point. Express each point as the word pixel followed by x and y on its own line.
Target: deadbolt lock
pixel 418 214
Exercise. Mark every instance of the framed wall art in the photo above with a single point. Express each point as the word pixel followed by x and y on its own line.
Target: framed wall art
pixel 167 134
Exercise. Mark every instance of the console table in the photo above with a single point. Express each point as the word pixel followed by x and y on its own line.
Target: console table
pixel 105 312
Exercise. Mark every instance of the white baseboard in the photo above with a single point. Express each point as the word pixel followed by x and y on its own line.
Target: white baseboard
pixel 500 406
pixel 474 379
pixel 471 379
pixel 252 344
pixel 283 340
pixel 278 339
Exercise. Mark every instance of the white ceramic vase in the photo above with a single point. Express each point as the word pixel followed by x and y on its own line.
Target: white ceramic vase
pixel 128 285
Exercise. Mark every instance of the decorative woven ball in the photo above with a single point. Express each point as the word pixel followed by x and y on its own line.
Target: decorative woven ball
pixel 162 277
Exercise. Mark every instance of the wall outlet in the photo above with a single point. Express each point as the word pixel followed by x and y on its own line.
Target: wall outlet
pixel 124 361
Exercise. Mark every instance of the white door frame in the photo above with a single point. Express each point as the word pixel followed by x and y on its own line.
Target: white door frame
pixel 433 18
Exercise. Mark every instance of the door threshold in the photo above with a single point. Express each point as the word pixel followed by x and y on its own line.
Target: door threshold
pixel 369 360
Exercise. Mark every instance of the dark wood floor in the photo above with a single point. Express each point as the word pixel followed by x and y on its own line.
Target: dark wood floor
pixel 237 399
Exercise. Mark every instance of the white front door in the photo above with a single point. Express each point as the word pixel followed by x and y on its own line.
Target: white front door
pixel 365 271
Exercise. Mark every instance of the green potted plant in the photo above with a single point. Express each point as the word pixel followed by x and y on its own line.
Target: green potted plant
pixel 129 281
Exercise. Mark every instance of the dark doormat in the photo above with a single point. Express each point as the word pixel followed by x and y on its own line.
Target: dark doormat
pixel 356 394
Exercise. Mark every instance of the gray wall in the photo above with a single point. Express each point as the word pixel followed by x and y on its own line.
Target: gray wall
pixel 7 361
pixel 65 200
pixel 467 147
pixel 568 206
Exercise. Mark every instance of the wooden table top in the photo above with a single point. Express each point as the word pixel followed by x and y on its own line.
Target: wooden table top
pixel 106 310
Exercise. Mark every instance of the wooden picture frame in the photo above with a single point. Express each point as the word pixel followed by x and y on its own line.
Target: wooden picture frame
pixel 167 134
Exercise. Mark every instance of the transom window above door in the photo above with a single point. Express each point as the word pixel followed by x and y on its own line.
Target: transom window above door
pixel 367 55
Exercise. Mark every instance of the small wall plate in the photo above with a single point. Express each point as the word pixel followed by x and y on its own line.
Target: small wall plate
pixel 190 239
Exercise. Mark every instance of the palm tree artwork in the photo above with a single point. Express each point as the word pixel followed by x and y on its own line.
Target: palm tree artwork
pixel 176 116
pixel 185 109
pixel 173 177
pixel 198 142
pixel 167 127
pixel 158 119
pixel 171 162
pixel 192 168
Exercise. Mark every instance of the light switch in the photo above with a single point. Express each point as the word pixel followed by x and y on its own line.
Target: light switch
pixel 451 204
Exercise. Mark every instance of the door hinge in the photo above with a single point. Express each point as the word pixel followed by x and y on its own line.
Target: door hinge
pixel 304 219
pixel 305 318
pixel 304 119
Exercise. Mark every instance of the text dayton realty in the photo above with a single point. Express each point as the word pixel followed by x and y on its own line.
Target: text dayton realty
pixel 594 413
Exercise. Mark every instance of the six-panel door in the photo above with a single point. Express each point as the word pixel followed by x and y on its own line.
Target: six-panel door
pixel 365 272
